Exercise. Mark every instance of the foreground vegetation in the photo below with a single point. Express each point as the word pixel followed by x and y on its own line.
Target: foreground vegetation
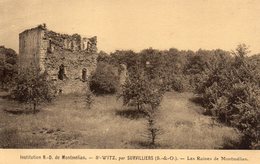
pixel 67 123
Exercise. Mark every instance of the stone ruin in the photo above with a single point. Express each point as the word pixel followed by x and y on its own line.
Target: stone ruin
pixel 122 71
pixel 67 59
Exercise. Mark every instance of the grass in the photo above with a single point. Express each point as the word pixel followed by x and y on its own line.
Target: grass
pixel 68 123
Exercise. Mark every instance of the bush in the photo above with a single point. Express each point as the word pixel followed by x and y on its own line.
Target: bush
pixel 177 84
pixel 104 80
pixel 89 99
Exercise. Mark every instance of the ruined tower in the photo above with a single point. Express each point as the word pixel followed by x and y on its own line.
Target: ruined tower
pixel 67 59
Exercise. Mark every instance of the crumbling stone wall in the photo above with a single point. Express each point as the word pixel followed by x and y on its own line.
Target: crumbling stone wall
pixel 32 48
pixel 122 73
pixel 74 63
pixel 70 42
pixel 67 59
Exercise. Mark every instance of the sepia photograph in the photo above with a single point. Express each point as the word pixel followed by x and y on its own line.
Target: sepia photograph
pixel 129 74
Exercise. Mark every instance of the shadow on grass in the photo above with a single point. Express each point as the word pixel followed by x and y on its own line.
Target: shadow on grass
pixel 242 143
pixel 8 97
pixel 148 145
pixel 21 111
pixel 5 95
pixel 197 100
pixel 131 113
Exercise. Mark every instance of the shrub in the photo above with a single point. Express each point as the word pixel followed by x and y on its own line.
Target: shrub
pixel 177 84
pixel 104 80
pixel 89 99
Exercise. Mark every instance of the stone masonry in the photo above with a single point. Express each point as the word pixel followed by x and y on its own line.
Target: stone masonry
pixel 67 59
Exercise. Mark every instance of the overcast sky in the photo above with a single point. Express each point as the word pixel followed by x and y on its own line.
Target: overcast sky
pixel 139 24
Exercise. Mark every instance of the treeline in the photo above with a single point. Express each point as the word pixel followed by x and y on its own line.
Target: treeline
pixel 8 66
pixel 178 70
pixel 228 83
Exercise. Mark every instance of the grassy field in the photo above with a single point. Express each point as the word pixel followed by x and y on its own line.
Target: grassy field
pixel 67 123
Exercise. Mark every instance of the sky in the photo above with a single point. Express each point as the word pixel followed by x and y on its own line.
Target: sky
pixel 139 24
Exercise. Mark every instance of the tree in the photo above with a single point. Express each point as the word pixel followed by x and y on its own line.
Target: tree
pixel 33 87
pixel 145 92
pixel 230 91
